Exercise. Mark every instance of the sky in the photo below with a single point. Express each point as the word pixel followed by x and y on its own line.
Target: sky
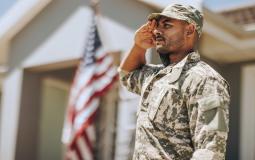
pixel 5 5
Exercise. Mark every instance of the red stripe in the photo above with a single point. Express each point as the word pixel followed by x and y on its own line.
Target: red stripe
pixel 88 142
pixel 100 59
pixel 74 147
pixel 78 152
pixel 71 114
pixel 99 93
pixel 97 76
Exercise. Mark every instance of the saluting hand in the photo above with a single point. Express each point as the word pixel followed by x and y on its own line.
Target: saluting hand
pixel 144 35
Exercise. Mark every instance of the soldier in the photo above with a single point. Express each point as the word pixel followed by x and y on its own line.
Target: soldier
pixel 183 112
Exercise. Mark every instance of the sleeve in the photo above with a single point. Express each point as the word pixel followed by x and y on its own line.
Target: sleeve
pixel 209 117
pixel 134 80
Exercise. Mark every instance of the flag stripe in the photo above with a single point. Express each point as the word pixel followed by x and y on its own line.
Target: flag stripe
pixel 88 142
pixel 76 150
pixel 85 151
pixel 71 155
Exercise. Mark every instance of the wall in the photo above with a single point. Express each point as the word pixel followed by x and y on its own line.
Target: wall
pixel 232 73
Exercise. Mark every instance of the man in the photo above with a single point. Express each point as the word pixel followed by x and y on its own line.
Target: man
pixel 184 103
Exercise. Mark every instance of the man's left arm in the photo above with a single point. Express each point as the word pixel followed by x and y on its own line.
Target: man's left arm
pixel 209 119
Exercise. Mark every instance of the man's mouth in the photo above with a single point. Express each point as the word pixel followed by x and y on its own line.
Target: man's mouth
pixel 159 40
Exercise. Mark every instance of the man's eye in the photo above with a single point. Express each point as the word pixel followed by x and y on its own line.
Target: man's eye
pixel 167 25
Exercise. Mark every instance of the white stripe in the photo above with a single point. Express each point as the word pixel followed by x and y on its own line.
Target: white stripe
pixel 100 52
pixel 81 79
pixel 101 67
pixel 84 97
pixel 84 149
pixel 91 132
pixel 72 155
pixel 67 130
pixel 85 114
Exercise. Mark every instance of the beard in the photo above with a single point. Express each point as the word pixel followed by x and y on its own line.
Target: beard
pixel 164 57
pixel 164 54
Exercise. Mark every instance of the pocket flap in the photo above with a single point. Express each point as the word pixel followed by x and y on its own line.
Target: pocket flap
pixel 153 107
pixel 211 102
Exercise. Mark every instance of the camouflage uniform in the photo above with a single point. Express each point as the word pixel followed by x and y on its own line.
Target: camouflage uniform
pixel 183 112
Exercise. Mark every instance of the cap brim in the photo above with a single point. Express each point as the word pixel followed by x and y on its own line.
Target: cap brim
pixel 156 16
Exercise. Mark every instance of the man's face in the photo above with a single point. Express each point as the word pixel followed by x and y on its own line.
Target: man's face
pixel 169 35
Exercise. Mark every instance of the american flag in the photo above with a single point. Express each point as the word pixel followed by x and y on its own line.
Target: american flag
pixel 94 76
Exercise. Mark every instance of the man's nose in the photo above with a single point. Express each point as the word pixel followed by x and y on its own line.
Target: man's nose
pixel 157 32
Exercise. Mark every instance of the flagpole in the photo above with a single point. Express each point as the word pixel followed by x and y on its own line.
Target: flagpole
pixel 95 6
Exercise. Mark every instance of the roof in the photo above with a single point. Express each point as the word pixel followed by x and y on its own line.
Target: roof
pixel 14 20
pixel 243 16
pixel 19 15
pixel 162 3
pixel 233 6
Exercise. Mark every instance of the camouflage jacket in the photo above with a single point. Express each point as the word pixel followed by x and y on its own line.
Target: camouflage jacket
pixel 183 112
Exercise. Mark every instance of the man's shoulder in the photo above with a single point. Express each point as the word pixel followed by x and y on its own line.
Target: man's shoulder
pixel 202 71
pixel 151 68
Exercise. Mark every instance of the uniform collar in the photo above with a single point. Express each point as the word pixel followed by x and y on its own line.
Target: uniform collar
pixel 174 71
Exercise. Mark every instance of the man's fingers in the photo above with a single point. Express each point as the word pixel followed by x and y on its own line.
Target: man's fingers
pixel 152 25
pixel 148 34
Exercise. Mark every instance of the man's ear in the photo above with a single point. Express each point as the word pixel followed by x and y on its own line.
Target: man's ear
pixel 190 29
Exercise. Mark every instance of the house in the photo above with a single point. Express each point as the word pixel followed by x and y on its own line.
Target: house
pixel 42 40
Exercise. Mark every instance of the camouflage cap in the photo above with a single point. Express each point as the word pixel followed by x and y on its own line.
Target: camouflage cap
pixel 182 12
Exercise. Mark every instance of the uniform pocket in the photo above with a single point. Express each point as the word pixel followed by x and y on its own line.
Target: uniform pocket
pixel 166 106
pixel 215 112
pixel 155 102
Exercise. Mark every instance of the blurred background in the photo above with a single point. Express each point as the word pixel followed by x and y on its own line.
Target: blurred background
pixel 41 42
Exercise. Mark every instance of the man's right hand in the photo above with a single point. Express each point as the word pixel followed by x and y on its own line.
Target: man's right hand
pixel 143 40
pixel 144 35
